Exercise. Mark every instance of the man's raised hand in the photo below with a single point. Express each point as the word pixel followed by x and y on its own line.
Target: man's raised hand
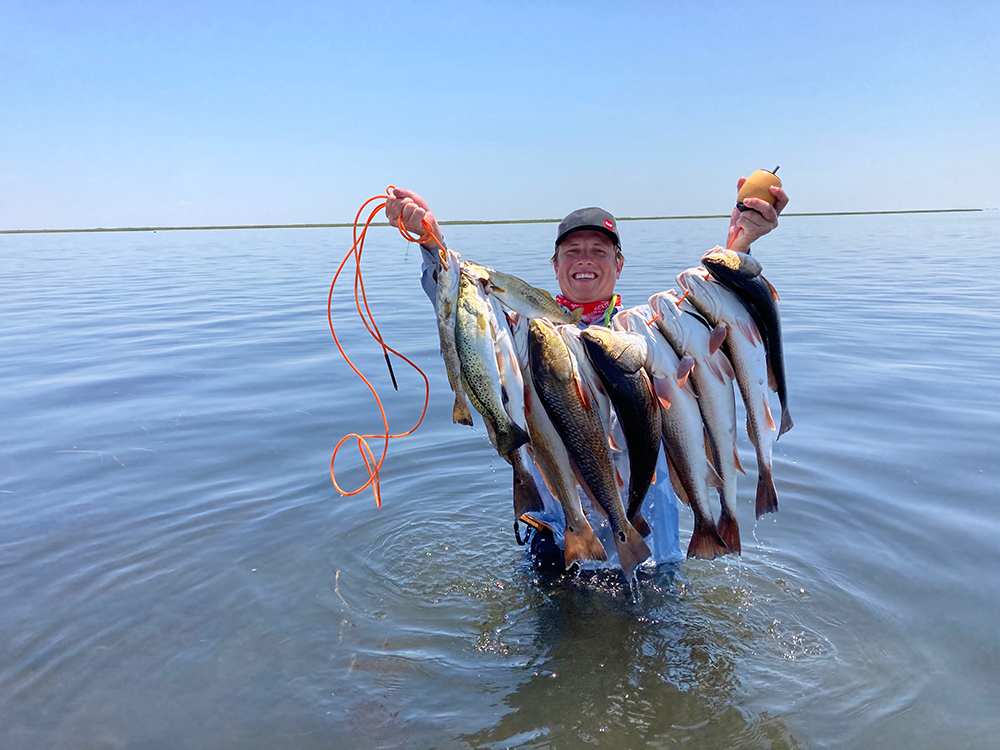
pixel 414 211
pixel 755 224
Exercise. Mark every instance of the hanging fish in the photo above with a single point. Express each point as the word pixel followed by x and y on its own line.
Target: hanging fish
pixel 570 404
pixel 741 273
pixel 618 359
pixel 712 378
pixel 475 333
pixel 745 349
pixel 691 470
pixel 446 309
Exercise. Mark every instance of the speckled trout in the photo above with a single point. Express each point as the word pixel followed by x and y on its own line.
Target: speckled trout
pixel 475 333
pixel 519 295
pixel 446 309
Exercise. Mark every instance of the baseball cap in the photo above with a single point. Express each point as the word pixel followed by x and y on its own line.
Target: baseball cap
pixel 593 218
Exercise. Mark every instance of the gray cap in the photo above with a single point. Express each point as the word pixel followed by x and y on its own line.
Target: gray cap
pixel 594 218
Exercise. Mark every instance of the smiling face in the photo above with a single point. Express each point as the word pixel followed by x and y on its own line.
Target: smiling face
pixel 587 266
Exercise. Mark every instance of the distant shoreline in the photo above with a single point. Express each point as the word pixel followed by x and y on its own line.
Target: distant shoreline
pixel 473 222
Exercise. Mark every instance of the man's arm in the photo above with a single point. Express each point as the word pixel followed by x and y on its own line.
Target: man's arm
pixel 414 211
pixel 755 224
pixel 416 215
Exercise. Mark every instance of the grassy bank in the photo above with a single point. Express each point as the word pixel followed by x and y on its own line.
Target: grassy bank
pixel 473 222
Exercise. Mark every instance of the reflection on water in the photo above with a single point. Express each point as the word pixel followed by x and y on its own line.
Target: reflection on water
pixel 661 664
pixel 177 571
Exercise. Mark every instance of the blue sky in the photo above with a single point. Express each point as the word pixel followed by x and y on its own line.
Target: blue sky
pixel 142 113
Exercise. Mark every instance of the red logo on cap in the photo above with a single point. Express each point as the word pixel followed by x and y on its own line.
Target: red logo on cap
pixel 609 224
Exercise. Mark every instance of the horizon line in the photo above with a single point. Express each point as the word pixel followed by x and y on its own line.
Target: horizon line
pixel 473 222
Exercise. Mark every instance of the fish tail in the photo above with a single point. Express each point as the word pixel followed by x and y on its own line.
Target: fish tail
pixel 729 531
pixel 511 439
pixel 786 422
pixel 641 525
pixel 632 550
pixel 582 544
pixel 461 414
pixel 706 544
pixel 526 496
pixel 767 496
pixel 634 506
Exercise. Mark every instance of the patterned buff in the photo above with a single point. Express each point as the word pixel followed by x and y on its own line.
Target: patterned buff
pixel 592 311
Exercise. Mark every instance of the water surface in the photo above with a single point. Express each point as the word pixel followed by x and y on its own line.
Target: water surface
pixel 177 571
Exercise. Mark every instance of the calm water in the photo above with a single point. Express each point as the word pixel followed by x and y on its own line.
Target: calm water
pixel 176 570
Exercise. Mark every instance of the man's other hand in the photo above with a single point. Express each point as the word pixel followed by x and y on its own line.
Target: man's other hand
pixel 755 224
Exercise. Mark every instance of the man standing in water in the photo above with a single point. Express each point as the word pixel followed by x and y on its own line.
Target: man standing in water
pixel 588 260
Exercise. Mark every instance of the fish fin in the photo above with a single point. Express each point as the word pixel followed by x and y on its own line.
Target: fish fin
pixel 717 337
pixel 713 478
pixel 767 496
pixel 709 449
pixel 582 544
pixel 688 388
pixel 749 329
pixel 774 292
pixel 448 308
pixel 481 322
pixel 496 287
pixel 772 382
pixel 513 360
pixel 581 391
pixel 653 480
pixel 648 382
pixel 491 433
pixel 576 315
pixel 613 444
pixel 684 369
pixel 641 525
pixel 662 392
pixel 725 365
pixel 767 413
pixel 786 422
pixel 706 544
pixel 545 478
pixel 729 530
pixel 716 369
pixel 675 482
pixel 461 414
pixel 588 493
pixel 736 462
pixel 526 497
pixel 618 479
pixel 599 387
pixel 632 550
pixel 510 440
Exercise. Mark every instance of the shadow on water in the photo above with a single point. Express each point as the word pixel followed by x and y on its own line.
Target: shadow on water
pixel 653 665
